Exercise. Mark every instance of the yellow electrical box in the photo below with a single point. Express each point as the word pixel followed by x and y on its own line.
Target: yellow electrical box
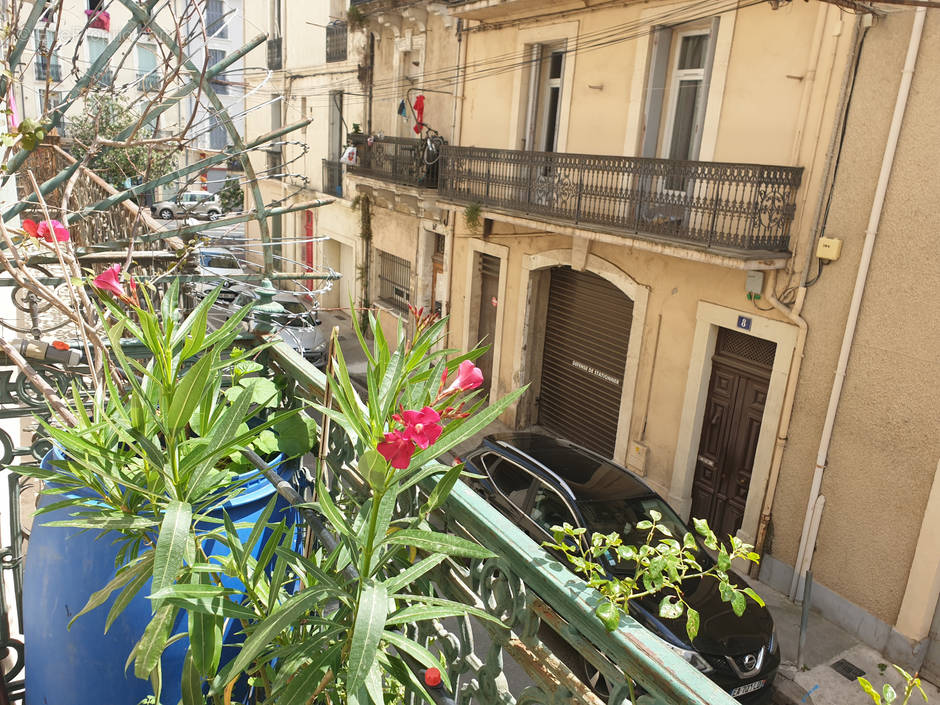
pixel 829 248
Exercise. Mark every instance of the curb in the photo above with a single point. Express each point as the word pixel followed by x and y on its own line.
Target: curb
pixel 788 692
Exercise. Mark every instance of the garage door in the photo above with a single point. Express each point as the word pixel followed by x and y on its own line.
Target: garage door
pixel 587 330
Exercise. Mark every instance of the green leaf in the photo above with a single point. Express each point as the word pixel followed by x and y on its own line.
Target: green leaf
pixel 124 576
pixel 670 607
pixel 888 694
pixel 296 434
pixel 187 393
pixel 435 542
pixel 753 595
pixel 420 654
pixel 366 633
pixel 205 639
pixel 724 560
pixel 171 543
pixel 867 687
pixel 691 623
pixel 152 643
pixel 442 489
pixel 372 466
pixel 609 614
pixel 406 577
pixel 126 595
pixel 191 683
pixel 738 603
pixel 305 681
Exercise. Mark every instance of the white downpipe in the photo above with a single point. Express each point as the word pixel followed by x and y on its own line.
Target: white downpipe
pixel 887 162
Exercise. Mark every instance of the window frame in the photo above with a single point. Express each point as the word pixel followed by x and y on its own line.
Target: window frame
pixel 392 299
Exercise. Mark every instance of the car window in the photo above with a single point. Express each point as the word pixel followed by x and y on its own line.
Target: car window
pixel 549 509
pixel 218 261
pixel 509 478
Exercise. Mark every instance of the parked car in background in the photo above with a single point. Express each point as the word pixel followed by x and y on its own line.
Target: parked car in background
pixel 189 204
pixel 538 481
pixel 298 325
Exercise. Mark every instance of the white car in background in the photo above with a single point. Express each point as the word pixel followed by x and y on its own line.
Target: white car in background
pixel 221 263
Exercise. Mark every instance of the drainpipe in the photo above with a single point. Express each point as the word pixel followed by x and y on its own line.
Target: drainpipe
pixel 809 80
pixel 783 430
pixel 810 528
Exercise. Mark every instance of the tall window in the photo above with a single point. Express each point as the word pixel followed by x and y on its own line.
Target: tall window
pixel 219 84
pixel 546 69
pixel 218 137
pixel 394 280
pixel 47 62
pixel 96 47
pixel 147 68
pixel 215 19
pixel 688 78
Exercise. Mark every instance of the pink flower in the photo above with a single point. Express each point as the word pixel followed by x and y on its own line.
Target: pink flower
pixel 423 427
pixel 468 377
pixel 396 449
pixel 47 230
pixel 110 280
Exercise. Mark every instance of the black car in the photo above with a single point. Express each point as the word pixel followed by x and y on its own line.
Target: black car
pixel 538 481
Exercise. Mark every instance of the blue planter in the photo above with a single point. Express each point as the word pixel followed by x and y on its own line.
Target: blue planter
pixel 83 665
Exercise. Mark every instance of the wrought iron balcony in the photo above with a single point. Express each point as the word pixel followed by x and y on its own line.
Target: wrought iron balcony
pixel 710 204
pixel 333 178
pixel 336 34
pixel 396 159
pixel 46 70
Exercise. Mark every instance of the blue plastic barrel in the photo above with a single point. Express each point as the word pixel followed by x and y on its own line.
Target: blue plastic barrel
pixel 64 566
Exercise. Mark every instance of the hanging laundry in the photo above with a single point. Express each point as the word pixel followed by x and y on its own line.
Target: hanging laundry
pixel 419 113
pixel 403 110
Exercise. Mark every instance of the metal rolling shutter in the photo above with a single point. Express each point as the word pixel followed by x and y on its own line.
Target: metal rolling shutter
pixel 587 331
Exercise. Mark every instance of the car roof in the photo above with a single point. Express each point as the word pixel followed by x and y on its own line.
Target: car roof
pixel 588 476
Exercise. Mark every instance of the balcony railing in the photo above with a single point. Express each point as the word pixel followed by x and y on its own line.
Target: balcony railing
pixel 45 70
pixel 712 204
pixel 151 82
pixel 398 159
pixel 336 34
pixel 333 178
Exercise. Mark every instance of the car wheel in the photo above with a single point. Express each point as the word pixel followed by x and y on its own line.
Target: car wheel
pixel 214 215
pixel 166 214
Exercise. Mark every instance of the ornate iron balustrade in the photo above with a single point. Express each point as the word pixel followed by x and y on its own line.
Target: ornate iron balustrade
pixel 549 612
pixel 710 204
pixel 336 34
pixel 397 159
pixel 333 177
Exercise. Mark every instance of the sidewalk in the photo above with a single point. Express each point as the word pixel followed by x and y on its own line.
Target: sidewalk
pixel 826 644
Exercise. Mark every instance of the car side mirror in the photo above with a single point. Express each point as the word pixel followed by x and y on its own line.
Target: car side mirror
pixel 316 321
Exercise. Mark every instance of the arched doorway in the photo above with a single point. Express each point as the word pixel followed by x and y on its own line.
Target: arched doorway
pixel 587 334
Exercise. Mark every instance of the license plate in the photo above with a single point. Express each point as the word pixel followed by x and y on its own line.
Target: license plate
pixel 749 688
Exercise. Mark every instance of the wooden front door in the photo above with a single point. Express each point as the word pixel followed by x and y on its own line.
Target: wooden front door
pixel 737 392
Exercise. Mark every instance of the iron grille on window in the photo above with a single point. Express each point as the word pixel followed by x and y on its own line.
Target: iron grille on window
pixel 47 63
pixel 219 85
pixel 336 41
pixel 274 54
pixel 394 281
pixel 151 82
pixel 45 69
pixel 215 19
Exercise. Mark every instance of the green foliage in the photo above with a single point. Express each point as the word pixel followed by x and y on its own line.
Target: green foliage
pixel 107 116
pixel 148 465
pixel 888 695
pixel 471 217
pixel 231 195
pixel 661 564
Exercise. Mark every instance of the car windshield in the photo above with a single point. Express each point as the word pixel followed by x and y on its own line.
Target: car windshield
pixel 218 260
pixel 296 315
pixel 621 516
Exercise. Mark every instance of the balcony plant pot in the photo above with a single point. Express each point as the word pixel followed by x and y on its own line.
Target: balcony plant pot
pixel 82 664
pixel 98 19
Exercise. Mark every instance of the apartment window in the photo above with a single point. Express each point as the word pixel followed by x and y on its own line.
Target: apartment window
pixel 218 137
pixel 683 126
pixel 96 5
pixel 96 47
pixel 219 84
pixel 394 281
pixel 337 135
pixel 49 101
pixel 47 62
pixel 543 109
pixel 147 68
pixel 336 33
pixel 215 19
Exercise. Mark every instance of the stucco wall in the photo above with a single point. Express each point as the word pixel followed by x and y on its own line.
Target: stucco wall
pixel 886 441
